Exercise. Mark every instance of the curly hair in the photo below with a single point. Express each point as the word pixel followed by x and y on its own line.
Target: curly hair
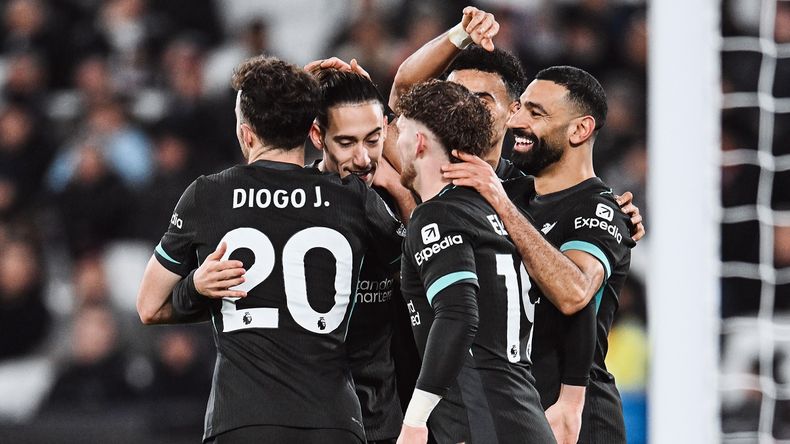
pixel 279 100
pixel 456 116
pixel 499 62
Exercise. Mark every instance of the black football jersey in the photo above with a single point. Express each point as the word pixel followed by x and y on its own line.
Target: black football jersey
pixel 369 339
pixel 456 237
pixel 584 217
pixel 301 235
pixel 506 170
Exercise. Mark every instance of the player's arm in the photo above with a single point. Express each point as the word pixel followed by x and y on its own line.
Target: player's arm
pixel 153 297
pixel 173 259
pixel 565 415
pixel 434 57
pixel 449 340
pixel 213 279
pixel 568 279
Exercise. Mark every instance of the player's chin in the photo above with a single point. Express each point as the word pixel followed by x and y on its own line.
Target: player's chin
pixel 366 176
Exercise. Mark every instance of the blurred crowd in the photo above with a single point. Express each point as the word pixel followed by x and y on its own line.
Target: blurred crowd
pixel 110 108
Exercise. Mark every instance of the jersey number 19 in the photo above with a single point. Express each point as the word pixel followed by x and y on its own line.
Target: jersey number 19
pixel 505 268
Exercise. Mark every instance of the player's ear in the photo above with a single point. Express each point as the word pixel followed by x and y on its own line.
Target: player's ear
pixel 315 135
pixel 384 128
pixel 422 144
pixel 248 136
pixel 581 130
pixel 513 109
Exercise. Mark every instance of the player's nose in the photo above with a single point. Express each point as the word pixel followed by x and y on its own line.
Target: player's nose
pixel 519 120
pixel 361 157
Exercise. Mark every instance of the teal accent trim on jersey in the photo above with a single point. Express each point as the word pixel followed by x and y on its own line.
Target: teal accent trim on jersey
pixel 598 296
pixel 396 260
pixel 591 249
pixel 445 281
pixel 447 189
pixel 164 254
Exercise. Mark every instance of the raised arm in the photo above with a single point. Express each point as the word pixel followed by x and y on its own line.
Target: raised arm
pixel 434 57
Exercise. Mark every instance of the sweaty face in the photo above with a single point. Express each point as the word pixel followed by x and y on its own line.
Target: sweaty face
pixel 491 89
pixel 354 139
pixel 407 145
pixel 540 127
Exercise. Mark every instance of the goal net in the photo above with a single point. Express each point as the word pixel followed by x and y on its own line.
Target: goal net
pixel 720 190
pixel 755 222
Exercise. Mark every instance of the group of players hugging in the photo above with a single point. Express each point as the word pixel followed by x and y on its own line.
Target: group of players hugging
pixel 411 286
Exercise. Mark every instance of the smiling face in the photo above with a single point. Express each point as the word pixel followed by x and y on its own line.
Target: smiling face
pixel 353 141
pixel 540 126
pixel 491 89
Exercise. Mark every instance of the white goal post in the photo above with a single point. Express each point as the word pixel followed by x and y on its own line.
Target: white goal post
pixel 684 152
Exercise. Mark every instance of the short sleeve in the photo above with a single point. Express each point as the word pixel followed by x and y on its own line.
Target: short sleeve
pixel 177 250
pixel 440 248
pixel 598 227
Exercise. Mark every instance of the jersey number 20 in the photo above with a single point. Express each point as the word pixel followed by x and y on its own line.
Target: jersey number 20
pixel 293 256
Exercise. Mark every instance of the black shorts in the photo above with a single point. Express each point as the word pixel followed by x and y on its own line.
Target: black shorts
pixel 285 435
pixel 480 416
pixel 602 418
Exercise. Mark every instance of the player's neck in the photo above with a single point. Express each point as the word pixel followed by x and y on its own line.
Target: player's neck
pixel 429 187
pixel 571 170
pixel 429 181
pixel 295 156
pixel 494 155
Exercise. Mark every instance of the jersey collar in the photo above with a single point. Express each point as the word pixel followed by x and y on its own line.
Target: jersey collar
pixel 276 165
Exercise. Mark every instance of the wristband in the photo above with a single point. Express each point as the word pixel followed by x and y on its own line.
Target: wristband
pixel 459 37
pixel 420 407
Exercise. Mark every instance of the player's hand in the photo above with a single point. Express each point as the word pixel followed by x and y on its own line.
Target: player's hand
pixel 627 206
pixel 565 421
pixel 336 63
pixel 357 68
pixel 476 173
pixel 481 27
pixel 330 63
pixel 385 174
pixel 214 277
pixel 413 435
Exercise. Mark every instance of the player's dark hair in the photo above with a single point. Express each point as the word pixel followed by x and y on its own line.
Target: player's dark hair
pixel 456 116
pixel 499 62
pixel 279 100
pixel 343 88
pixel 583 90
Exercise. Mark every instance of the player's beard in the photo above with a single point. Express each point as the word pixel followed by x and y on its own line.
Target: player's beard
pixel 408 175
pixel 542 154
